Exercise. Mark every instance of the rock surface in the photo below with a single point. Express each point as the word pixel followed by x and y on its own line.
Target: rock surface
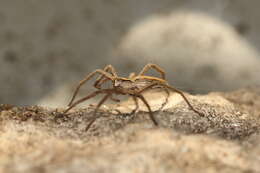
pixel 225 139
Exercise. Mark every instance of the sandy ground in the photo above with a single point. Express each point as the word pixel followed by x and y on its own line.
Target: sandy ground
pixel 225 139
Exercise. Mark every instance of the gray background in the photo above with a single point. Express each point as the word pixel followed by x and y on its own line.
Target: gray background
pixel 46 47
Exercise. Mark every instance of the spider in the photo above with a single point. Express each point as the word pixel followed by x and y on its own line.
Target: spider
pixel 133 86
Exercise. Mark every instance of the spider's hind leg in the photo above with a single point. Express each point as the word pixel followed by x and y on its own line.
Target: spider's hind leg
pixel 184 97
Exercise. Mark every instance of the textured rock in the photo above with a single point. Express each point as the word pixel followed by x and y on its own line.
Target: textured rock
pixel 226 139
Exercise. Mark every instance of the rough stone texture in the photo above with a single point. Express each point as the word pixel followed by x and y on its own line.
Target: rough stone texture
pixel 47 46
pixel 226 139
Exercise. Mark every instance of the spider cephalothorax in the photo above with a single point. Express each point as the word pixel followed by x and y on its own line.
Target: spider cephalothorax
pixel 133 86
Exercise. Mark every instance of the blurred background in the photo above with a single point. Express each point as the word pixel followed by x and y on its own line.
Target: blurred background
pixel 46 47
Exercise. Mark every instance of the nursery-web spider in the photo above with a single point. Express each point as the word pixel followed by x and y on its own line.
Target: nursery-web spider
pixel 133 86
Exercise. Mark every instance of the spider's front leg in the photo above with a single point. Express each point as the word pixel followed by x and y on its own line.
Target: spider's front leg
pixel 166 100
pixel 93 94
pixel 102 79
pixel 152 66
pixel 94 118
pixel 114 99
pixel 149 109
pixel 88 77
pixel 136 105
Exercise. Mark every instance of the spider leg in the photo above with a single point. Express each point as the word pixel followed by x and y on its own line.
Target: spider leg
pixel 89 76
pixel 95 112
pixel 114 99
pixel 136 105
pixel 102 79
pixel 93 94
pixel 152 66
pixel 183 96
pixel 166 99
pixel 149 108
pixel 111 69
pixel 132 75
pixel 152 85
pixel 98 83
pixel 174 90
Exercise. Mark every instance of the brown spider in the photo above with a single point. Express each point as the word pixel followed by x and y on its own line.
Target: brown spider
pixel 134 86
